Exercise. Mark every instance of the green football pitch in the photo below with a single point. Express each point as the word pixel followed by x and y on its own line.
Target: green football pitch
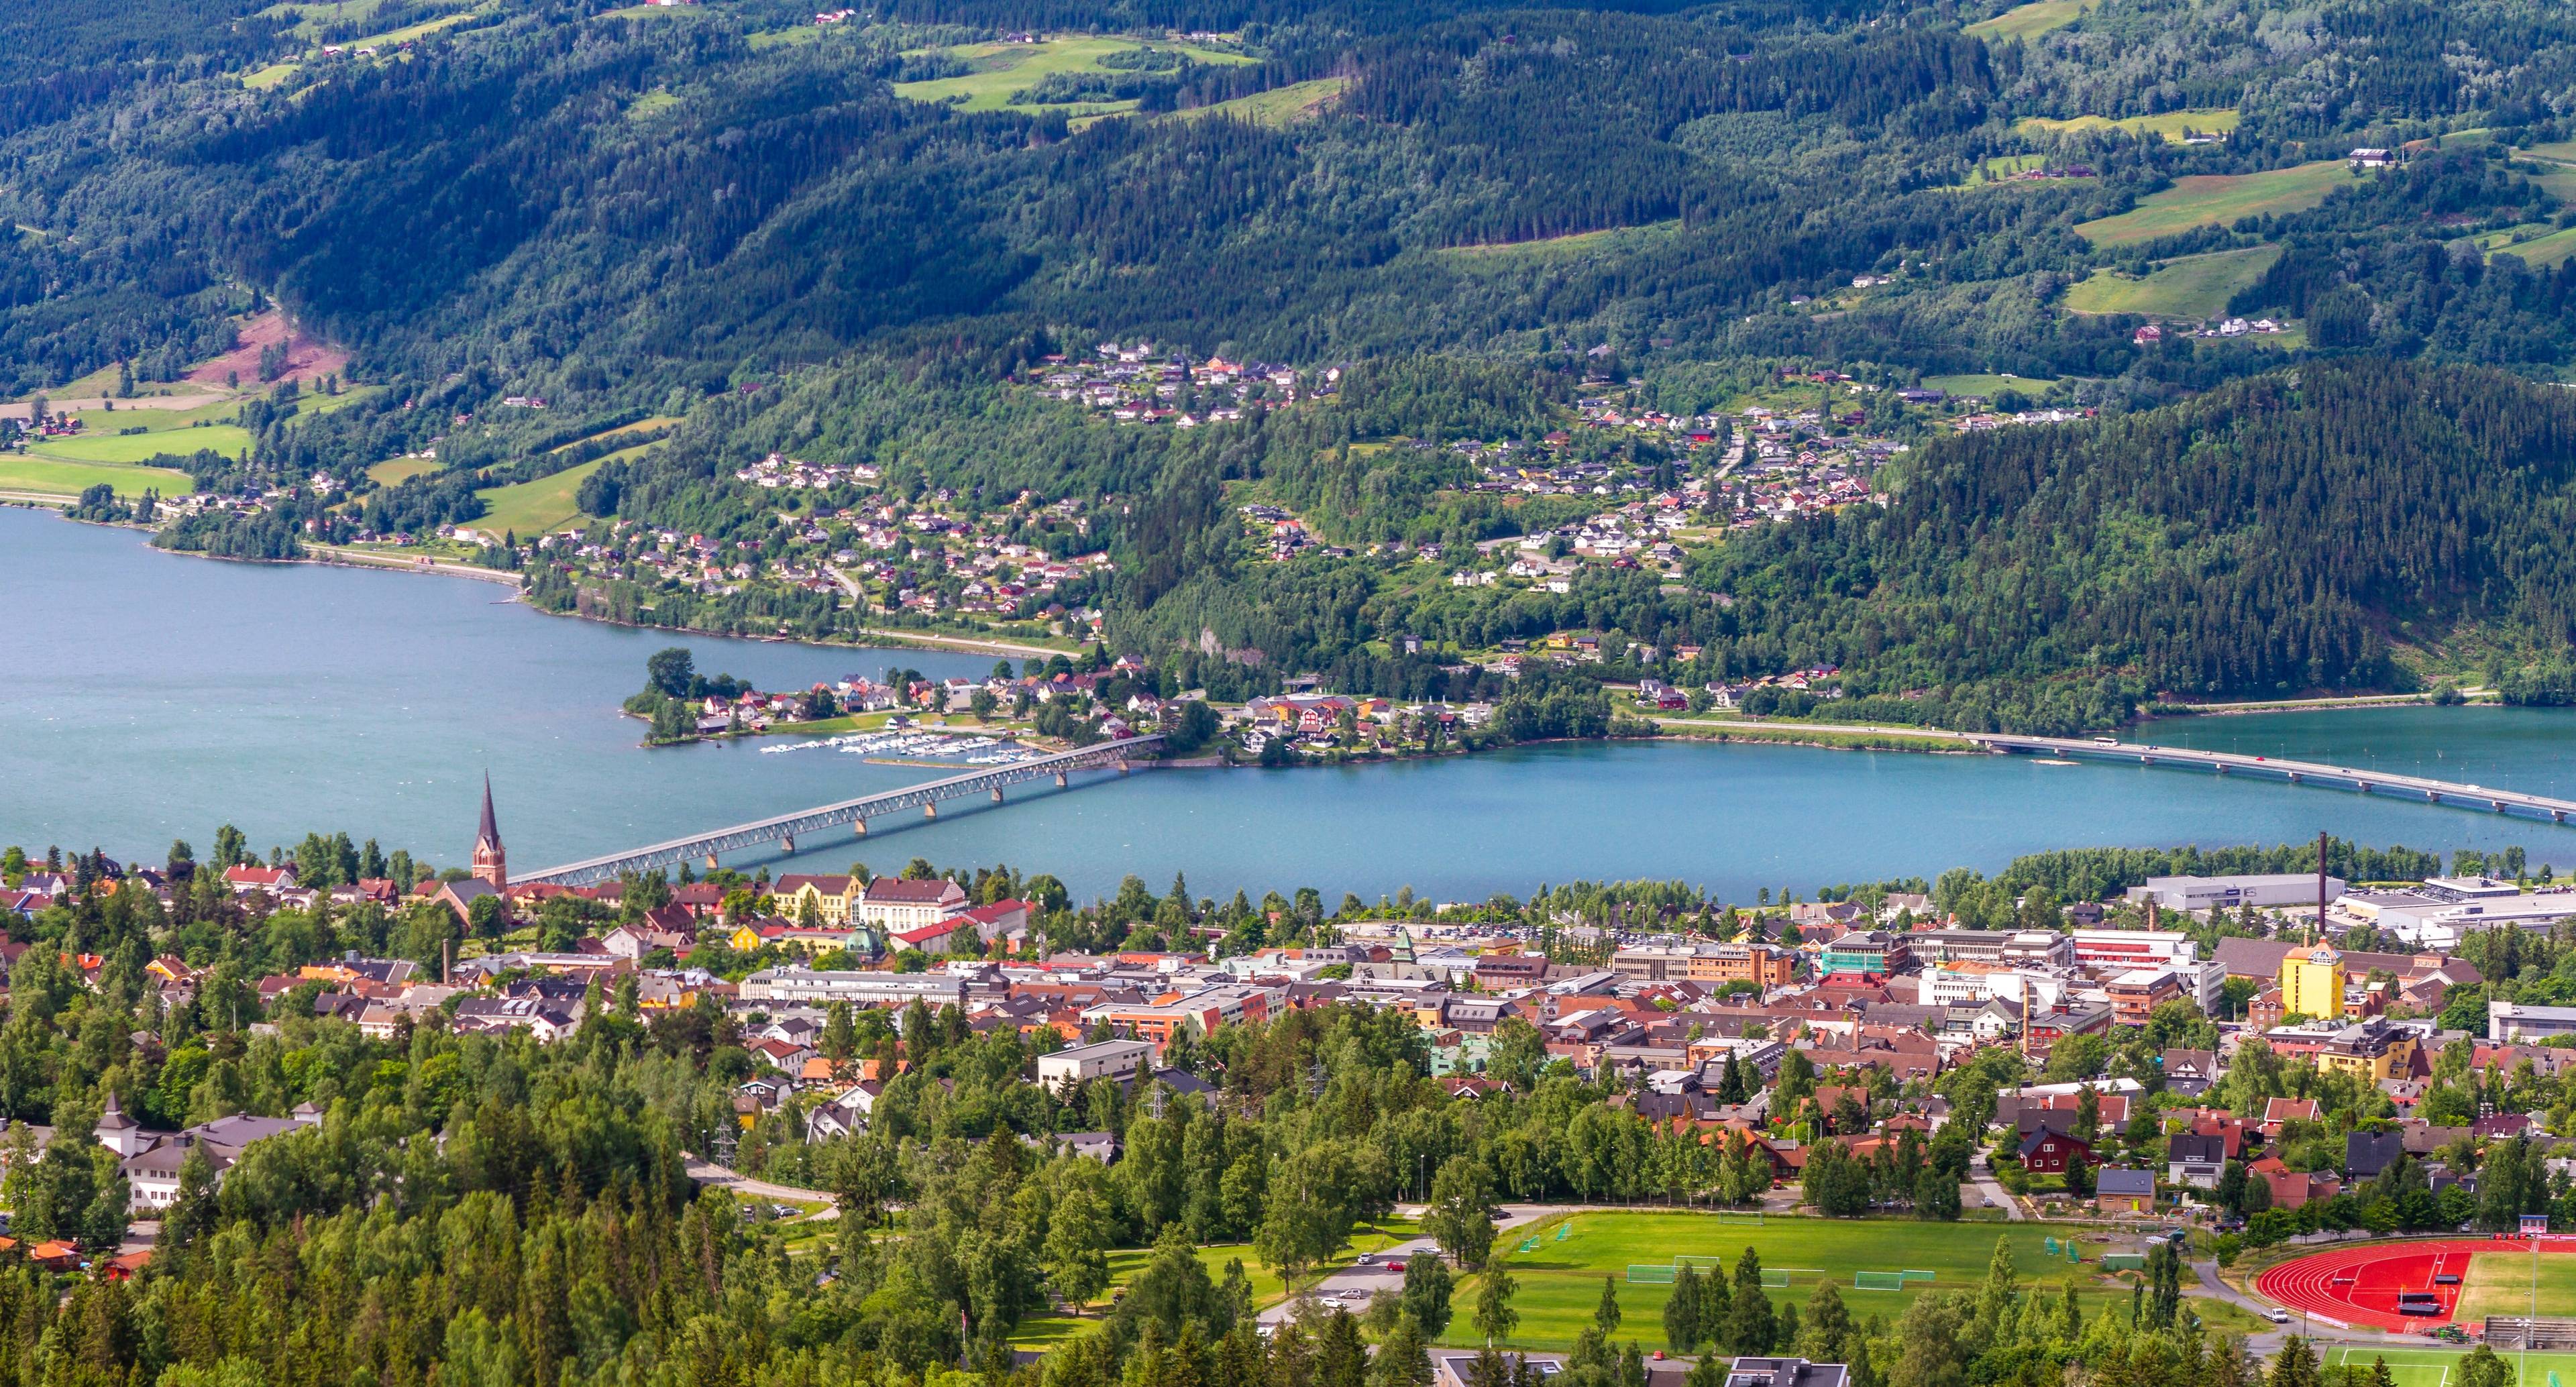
pixel 2435 1367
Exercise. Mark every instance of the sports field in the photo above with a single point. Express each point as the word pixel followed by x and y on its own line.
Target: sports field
pixel 2032 20
pixel 1560 1281
pixel 2217 200
pixel 2501 1283
pixel 2435 1367
pixel 1003 70
pixel 2195 286
pixel 109 446
pixel 2175 126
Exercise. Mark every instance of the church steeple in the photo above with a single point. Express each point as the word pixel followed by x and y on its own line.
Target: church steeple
pixel 491 861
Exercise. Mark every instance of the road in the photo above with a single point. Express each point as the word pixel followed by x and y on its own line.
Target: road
pixel 413 563
pixel 1363 1282
pixel 709 1173
pixel 1845 729
pixel 1995 1194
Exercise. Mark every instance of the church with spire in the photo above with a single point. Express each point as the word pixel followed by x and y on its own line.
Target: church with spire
pixel 491 860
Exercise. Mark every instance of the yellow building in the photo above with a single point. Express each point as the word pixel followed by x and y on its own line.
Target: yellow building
pixel 2312 982
pixel 828 897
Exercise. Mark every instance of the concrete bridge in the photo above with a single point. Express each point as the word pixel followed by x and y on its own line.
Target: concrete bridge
pixel 2295 772
pixel 785 829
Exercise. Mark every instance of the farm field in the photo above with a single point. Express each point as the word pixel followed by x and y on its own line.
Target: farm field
pixel 135 447
pixel 658 421
pixel 1985 385
pixel 2195 286
pixel 2434 1367
pixel 1003 70
pixel 2218 199
pixel 2500 1283
pixel 72 478
pixel 2173 125
pixel 1509 254
pixel 2542 252
pixel 1278 107
pixel 2032 20
pixel 532 508
pixel 1560 1282
pixel 396 471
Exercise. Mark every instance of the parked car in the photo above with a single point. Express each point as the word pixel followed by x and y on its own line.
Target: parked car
pixel 2277 1315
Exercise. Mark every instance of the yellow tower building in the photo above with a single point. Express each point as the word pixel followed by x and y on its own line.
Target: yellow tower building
pixel 2312 982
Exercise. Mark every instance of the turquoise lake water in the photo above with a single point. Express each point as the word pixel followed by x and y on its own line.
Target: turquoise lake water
pixel 148 696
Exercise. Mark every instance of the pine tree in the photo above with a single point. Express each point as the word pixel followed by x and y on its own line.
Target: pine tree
pixel 1681 1313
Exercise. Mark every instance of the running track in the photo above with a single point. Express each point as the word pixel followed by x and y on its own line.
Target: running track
pixel 2357 1287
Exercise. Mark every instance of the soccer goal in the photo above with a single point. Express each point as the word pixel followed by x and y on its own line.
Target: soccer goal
pixel 1774 1280
pixel 1640 1274
pixel 1905 1276
pixel 1700 1260
pixel 1878 1281
pixel 1564 1231
pixel 1741 1218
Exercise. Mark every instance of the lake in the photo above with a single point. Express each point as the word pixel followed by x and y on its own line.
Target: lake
pixel 150 696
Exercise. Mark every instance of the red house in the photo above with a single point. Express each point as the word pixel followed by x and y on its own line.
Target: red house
pixel 2046 1152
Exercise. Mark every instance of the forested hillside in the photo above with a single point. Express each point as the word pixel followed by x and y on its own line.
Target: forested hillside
pixel 865 241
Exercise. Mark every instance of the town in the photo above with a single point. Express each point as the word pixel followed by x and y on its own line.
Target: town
pixel 2224 1062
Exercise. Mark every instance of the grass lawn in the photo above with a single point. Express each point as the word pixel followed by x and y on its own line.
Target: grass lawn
pixel 1560 1283
pixel 1003 70
pixel 228 439
pixel 2500 1283
pixel 1280 106
pixel 1986 385
pixel 2432 1367
pixel 2217 200
pixel 73 478
pixel 2173 125
pixel 2195 286
pixel 2032 20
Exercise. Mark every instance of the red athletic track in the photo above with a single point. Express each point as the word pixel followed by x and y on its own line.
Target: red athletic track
pixel 2356 1287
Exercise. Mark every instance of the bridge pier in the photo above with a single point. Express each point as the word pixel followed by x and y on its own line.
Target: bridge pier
pixel 2433 796
pixel 997 794
pixel 2364 784
pixel 1059 780
pixel 2499 806
pixel 2294 777
pixel 787 842
pixel 1122 766
pixel 930 810
pixel 2558 816
pixel 858 828
pixel 711 862
pixel 2222 768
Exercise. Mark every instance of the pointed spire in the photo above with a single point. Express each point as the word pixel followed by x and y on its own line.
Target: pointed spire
pixel 489 836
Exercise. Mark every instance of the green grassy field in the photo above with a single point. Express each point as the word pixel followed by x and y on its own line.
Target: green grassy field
pixel 1278 107
pixel 1986 385
pixel 2217 200
pixel 2196 286
pixel 1040 1332
pixel 396 471
pixel 2500 1283
pixel 2542 252
pixel 2032 20
pixel 1560 1283
pixel 532 508
pixel 1003 70
pixel 229 439
pixel 2173 125
pixel 73 478
pixel 2433 1367
pixel 1509 254
pixel 658 421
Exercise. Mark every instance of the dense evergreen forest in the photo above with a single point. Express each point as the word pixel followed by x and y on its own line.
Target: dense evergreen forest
pixel 762 226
